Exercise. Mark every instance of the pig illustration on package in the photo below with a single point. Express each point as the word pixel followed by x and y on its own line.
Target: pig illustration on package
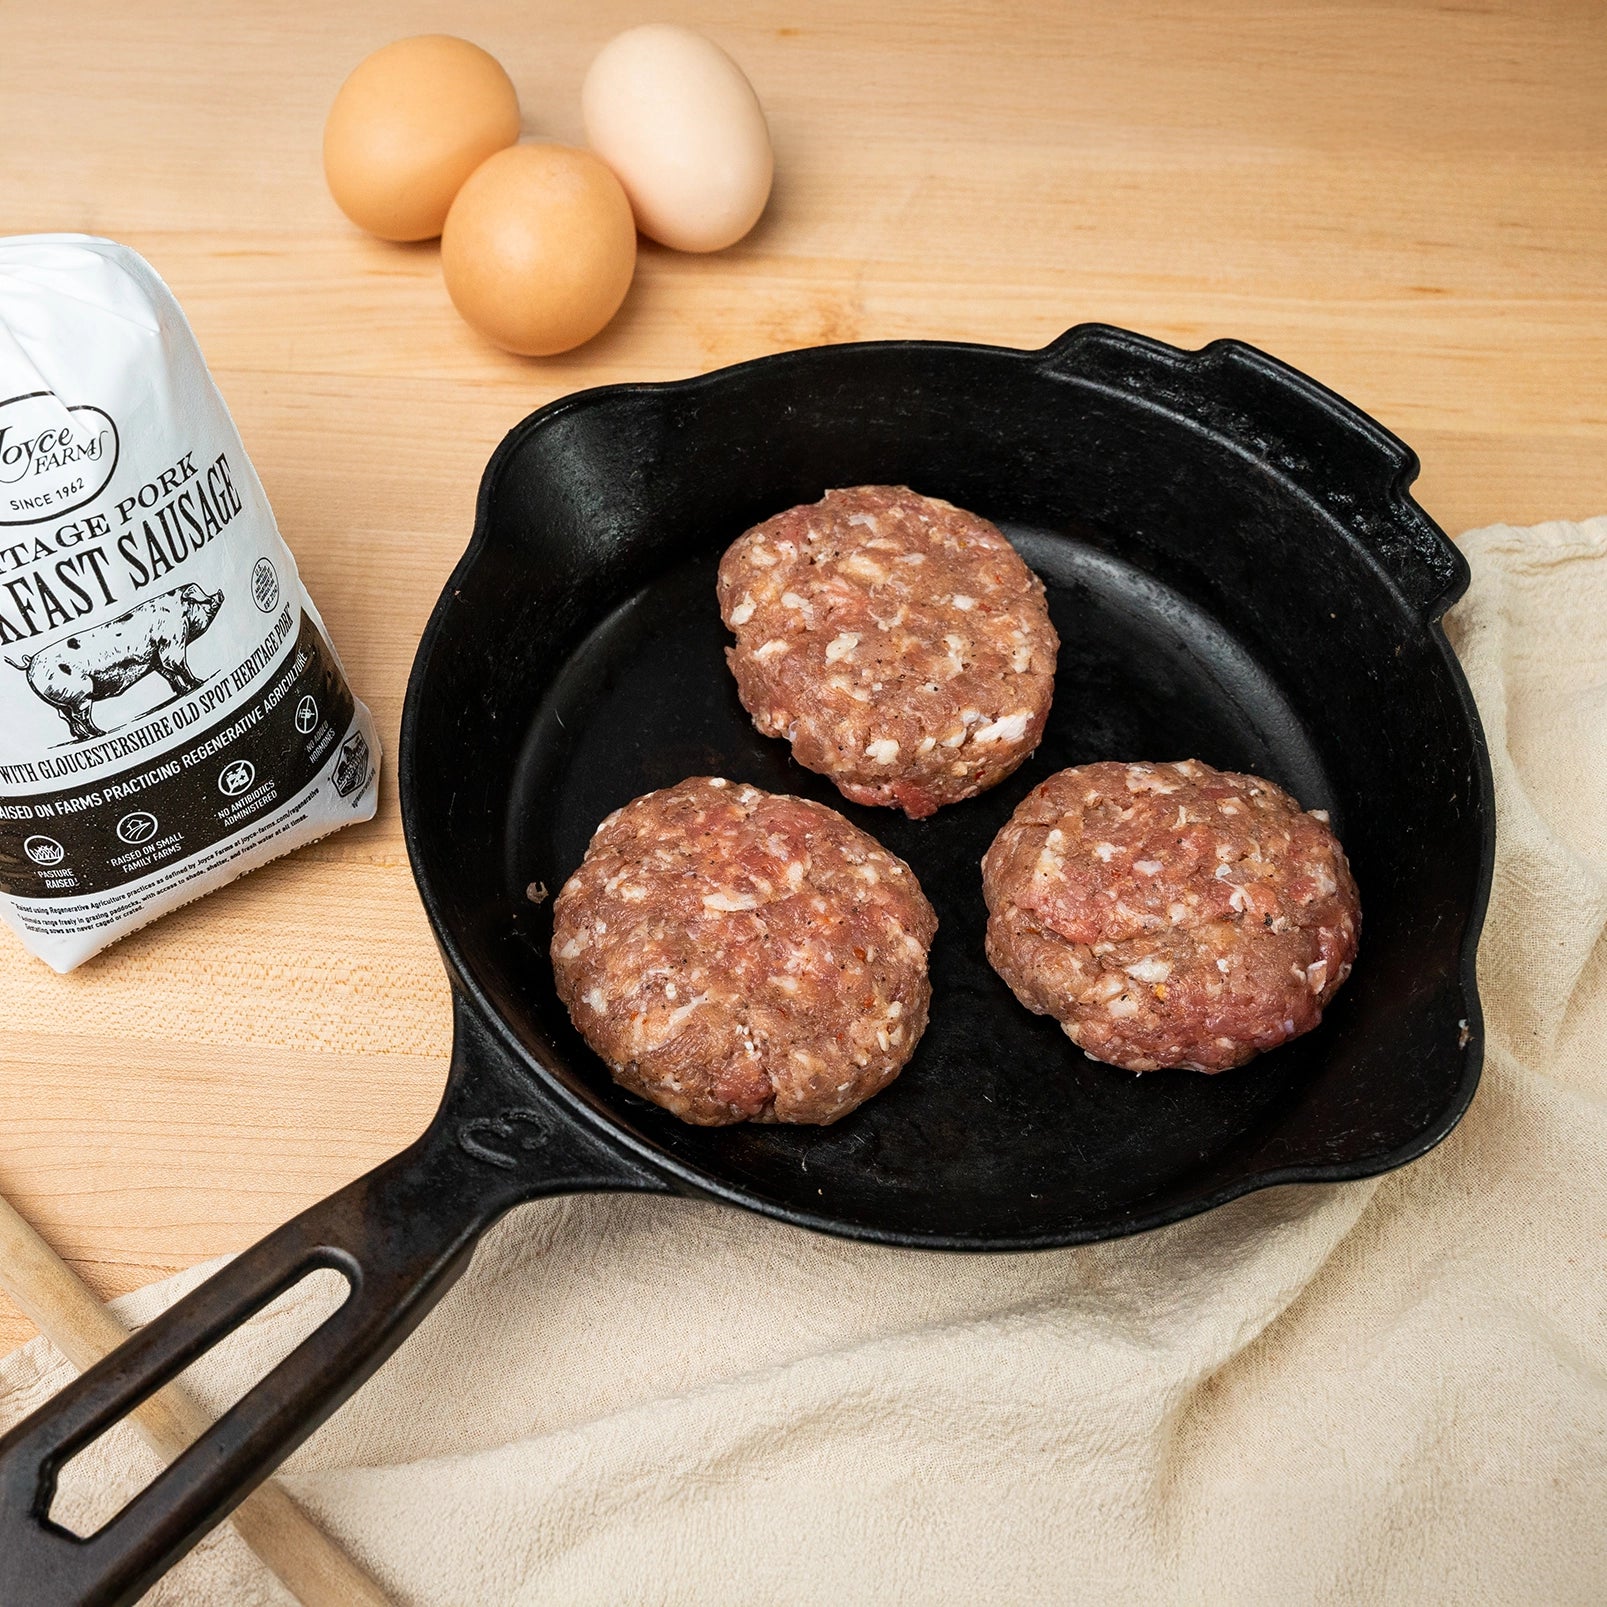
pixel 149 606
pixel 105 660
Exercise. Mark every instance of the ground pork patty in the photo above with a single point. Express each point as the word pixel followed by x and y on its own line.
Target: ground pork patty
pixel 1170 914
pixel 736 955
pixel 898 642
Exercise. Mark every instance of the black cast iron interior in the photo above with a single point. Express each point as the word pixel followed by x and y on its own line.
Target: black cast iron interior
pixel 1237 574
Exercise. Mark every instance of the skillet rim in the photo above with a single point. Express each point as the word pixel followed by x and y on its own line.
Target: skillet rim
pixel 681 1177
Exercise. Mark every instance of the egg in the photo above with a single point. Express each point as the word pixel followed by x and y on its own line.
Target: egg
pixel 677 120
pixel 539 248
pixel 410 124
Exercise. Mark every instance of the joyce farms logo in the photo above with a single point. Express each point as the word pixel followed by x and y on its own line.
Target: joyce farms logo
pixel 53 458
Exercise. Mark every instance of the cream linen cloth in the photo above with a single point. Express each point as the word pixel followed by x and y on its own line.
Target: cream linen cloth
pixel 1387 1391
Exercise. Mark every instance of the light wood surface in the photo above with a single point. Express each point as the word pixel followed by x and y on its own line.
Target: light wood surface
pixel 48 1292
pixel 1407 201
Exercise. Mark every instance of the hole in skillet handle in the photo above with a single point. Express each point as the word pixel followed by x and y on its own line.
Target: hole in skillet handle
pixel 86 1501
pixel 400 1236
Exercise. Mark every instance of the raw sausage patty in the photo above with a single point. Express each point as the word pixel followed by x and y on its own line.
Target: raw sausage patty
pixel 1170 914
pixel 735 955
pixel 898 642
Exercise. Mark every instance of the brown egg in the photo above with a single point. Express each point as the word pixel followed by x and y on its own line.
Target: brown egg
pixel 539 248
pixel 412 122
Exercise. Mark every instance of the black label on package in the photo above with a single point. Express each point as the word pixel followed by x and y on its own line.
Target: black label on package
pixel 94 837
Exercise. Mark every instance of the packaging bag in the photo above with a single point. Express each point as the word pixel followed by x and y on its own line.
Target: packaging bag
pixel 172 713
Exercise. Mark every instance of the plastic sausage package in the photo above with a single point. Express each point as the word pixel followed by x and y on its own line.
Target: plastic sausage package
pixel 172 713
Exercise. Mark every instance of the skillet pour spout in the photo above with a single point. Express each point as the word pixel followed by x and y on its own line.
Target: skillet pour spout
pixel 1237 573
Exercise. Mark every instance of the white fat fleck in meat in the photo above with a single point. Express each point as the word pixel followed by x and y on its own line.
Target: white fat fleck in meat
pixel 729 903
pixel 571 949
pixel 795 875
pixel 911 558
pixel 863 568
pixel 1105 852
pixel 774 648
pixel 841 646
pixel 1152 968
pixel 927 744
pixel 1140 778
pixel 714 781
pixel 884 750
pixel 1239 899
pixel 962 602
pixel 633 893
pixel 1021 659
pixel 1007 728
pixel 762 556
pixel 1319 814
pixel 743 612
pixel 955 658
pixel 1317 975
pixel 790 599
pixel 677 1017
pixel 594 997
pixel 1148 867
pixel 868 520
pixel 1122 1006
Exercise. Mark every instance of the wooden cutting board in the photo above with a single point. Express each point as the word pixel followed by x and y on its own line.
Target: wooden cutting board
pixel 1407 201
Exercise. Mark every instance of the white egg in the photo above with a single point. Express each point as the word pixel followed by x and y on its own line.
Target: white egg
pixel 680 125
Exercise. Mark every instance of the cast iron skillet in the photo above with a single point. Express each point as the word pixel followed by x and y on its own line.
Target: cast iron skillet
pixel 1237 574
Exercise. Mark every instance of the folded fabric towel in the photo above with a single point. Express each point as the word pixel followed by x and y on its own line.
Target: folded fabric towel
pixel 1386 1391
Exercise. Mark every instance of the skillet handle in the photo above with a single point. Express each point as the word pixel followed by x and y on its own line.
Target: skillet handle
pixel 1335 454
pixel 400 1236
